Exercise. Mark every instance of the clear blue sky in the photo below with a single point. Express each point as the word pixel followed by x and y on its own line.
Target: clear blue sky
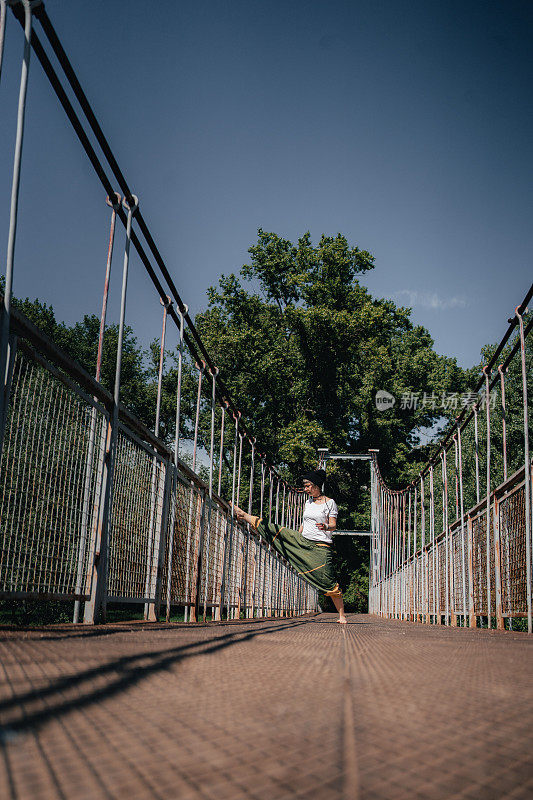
pixel 407 126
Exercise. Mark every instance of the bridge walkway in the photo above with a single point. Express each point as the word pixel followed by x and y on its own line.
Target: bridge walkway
pixel 266 709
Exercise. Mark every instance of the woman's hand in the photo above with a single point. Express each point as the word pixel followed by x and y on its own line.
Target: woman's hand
pixel 321 526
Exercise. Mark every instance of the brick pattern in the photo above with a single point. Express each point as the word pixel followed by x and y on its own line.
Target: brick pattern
pixel 266 709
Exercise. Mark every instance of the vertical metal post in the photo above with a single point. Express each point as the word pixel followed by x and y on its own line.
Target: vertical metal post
pixel 383 550
pixel 476 452
pixel 376 531
pixel 472 620
pixel 190 611
pixel 409 562
pixel 270 490
pixel 207 538
pixel 92 429
pixel 446 535
pixel 222 546
pixel 154 526
pixel 504 420
pixel 486 373
pixel 3 15
pixel 10 366
pixel 433 543
pixel 182 315
pixel 13 216
pixel 461 502
pixel 425 563
pixel 221 451
pixel 160 536
pixel 527 468
pixel 416 561
pixel 248 534
pixel 174 484
pixel 95 608
pixel 497 566
pixel 238 587
pixel 226 561
pixel 397 575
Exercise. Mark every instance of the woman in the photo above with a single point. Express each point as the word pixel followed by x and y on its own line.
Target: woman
pixel 309 548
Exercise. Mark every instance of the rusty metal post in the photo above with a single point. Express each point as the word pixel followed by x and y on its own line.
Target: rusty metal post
pixel 222 546
pixel 225 595
pixel 92 429
pixel 154 526
pixel 476 451
pixel 446 535
pixel 425 565
pixel 205 539
pixel 95 608
pixel 190 610
pixel 403 559
pixel 416 565
pixel 472 619
pixel 409 556
pixel 262 493
pixel 486 373
pixel 237 611
pixel 500 625
pixel 174 483
pixel 433 544
pixel 221 450
pixel 527 467
pixel 504 420
pixel 464 550
pixel 162 528
pixel 247 528
pixel 270 494
pixel 388 550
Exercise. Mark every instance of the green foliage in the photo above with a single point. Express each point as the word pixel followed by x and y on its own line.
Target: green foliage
pixel 34 611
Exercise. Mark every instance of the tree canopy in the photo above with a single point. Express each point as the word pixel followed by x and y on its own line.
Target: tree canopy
pixel 304 348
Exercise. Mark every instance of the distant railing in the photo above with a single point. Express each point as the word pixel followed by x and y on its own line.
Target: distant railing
pixel 455 546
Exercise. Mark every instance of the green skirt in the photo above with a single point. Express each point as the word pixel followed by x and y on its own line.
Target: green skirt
pixel 312 560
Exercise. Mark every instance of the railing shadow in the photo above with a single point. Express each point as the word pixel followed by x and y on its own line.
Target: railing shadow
pixel 56 634
pixel 132 670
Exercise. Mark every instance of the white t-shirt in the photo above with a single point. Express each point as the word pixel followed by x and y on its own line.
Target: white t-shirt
pixel 318 512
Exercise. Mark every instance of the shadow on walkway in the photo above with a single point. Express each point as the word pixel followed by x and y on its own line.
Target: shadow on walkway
pixel 131 671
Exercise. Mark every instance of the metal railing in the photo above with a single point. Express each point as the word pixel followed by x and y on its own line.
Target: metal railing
pixel 94 507
pixel 455 546
pixel 170 544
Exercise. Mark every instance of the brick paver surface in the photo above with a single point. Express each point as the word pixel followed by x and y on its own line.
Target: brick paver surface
pixel 266 709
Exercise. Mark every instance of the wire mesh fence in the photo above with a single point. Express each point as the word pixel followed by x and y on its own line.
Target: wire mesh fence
pixel 169 545
pixel 468 515
pixel 48 485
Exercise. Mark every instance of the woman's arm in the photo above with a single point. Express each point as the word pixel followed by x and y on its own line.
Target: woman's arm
pixel 300 529
pixel 331 525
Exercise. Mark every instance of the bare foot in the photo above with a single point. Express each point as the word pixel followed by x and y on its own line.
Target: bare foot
pixel 342 620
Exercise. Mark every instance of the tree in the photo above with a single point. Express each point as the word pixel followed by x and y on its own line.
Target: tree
pixel 303 348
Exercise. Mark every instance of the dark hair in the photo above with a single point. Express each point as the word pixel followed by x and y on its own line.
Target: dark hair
pixel 316 476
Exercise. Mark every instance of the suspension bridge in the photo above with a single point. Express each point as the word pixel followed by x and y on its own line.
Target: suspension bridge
pixel 254 692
